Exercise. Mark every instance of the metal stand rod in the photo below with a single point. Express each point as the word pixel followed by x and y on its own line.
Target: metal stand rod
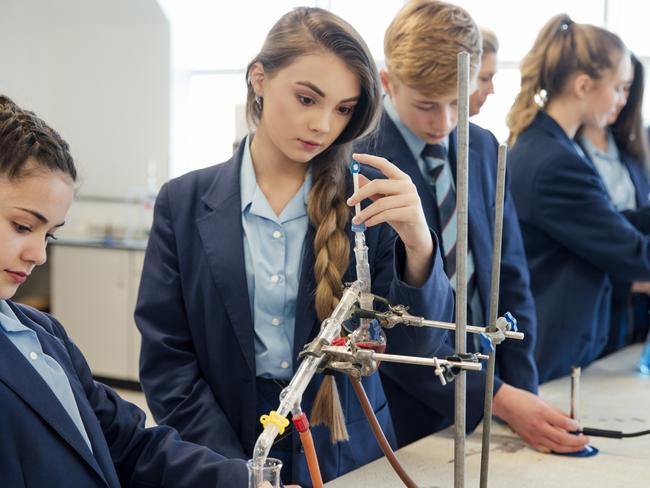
pixel 575 393
pixel 462 155
pixel 494 312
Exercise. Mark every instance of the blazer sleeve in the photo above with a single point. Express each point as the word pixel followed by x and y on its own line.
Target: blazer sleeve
pixel 418 384
pixel 155 456
pixel 167 345
pixel 515 362
pixel 573 207
pixel 433 300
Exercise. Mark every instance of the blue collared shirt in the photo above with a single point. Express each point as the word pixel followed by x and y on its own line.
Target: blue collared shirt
pixel 614 173
pixel 416 145
pixel 26 341
pixel 273 251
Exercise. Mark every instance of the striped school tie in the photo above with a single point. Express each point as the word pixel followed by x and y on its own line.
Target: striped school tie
pixel 435 157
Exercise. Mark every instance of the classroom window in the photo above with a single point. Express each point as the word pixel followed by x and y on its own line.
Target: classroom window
pixel 211 47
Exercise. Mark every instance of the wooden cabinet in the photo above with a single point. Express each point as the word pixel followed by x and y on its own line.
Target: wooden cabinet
pixel 94 291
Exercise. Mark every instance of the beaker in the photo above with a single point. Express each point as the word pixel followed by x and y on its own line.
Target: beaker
pixel 264 475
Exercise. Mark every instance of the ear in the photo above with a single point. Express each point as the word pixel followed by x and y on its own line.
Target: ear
pixel 256 77
pixel 389 86
pixel 582 85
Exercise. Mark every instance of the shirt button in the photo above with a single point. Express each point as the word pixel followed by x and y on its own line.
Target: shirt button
pixel 277 234
pixel 33 356
pixel 275 321
pixel 284 365
pixel 275 279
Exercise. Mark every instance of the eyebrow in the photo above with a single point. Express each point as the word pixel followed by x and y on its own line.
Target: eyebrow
pixel 320 92
pixel 39 216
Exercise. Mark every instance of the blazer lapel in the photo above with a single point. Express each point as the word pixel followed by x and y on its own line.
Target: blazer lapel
pixel 222 237
pixel 25 381
pixel 101 453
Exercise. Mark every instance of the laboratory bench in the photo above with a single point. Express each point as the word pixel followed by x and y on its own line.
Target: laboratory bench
pixel 613 395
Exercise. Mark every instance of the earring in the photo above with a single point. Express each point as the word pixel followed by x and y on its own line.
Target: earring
pixel 258 101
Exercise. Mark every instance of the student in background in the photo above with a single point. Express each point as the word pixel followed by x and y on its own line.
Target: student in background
pixel 577 242
pixel 246 258
pixel 418 133
pixel 486 71
pixel 59 427
pixel 620 154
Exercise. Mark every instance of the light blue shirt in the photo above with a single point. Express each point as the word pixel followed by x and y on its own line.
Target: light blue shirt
pixel 416 145
pixel 273 251
pixel 613 172
pixel 26 341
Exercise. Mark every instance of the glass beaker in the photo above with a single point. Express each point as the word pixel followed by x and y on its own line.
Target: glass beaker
pixel 264 475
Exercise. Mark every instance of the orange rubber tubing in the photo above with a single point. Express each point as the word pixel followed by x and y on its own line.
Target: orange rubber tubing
pixel 312 461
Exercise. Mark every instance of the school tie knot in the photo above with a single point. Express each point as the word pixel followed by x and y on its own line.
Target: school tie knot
pixel 435 155
pixel 435 151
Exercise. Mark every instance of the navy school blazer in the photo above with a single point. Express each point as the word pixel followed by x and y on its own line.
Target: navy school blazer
pixel 432 409
pixel 630 311
pixel 41 446
pixel 576 243
pixel 197 364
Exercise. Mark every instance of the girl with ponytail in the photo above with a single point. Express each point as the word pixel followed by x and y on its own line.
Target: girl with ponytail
pixel 246 258
pixel 577 242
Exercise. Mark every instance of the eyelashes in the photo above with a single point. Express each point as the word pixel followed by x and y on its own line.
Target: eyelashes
pixel 308 101
pixel 25 229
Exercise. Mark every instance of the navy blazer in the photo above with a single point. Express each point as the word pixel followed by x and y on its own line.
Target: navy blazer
pixel 41 446
pixel 197 364
pixel 629 318
pixel 515 363
pixel 576 242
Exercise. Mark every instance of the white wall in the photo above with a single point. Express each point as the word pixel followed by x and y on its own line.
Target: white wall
pixel 99 72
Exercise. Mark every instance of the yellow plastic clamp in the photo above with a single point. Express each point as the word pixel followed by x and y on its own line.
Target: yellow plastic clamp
pixel 275 418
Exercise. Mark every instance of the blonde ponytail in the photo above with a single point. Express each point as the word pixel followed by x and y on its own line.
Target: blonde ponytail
pixel 561 49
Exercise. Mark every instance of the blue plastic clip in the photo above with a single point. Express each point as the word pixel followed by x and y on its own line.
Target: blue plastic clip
pixel 358 227
pixel 355 167
pixel 511 320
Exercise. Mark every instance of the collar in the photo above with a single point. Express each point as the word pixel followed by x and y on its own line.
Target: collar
pixel 8 320
pixel 253 199
pixel 611 154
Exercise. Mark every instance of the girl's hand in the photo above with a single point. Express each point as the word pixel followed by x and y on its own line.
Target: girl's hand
pixel 396 202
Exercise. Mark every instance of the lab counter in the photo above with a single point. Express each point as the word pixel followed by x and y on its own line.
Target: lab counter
pixel 93 287
pixel 103 243
pixel 613 395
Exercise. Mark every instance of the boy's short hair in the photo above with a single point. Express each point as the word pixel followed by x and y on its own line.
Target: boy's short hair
pixel 422 43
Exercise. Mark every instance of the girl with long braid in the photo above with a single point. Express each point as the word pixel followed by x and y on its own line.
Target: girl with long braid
pixel 246 258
